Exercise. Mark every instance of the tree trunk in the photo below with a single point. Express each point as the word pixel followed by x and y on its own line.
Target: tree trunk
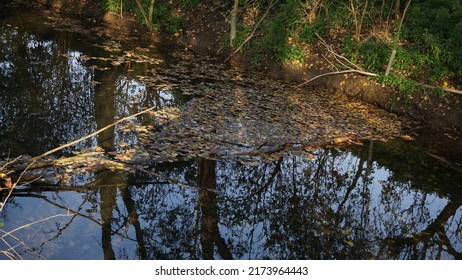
pixel 146 19
pixel 151 10
pixel 397 9
pixel 396 41
pixel 234 22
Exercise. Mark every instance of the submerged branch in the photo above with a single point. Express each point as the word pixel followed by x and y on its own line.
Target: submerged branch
pixel 91 135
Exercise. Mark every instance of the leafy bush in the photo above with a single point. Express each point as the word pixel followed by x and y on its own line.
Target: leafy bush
pixel 163 17
pixel 372 54
pixel 115 5
pixel 401 83
pixel 438 36
pixel 276 33
pixel 308 31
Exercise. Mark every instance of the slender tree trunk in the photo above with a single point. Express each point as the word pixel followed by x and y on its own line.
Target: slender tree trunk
pixel 234 22
pixel 393 53
pixel 151 10
pixel 135 221
pixel 146 19
pixel 397 9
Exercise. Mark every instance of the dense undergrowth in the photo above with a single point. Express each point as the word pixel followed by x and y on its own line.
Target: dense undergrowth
pixel 428 44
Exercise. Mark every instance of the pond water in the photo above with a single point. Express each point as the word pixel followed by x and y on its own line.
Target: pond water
pixel 58 82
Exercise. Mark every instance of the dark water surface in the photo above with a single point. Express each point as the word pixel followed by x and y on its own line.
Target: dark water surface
pixel 383 200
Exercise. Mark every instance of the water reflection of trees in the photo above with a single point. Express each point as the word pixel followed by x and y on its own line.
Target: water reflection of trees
pixel 336 206
pixel 48 93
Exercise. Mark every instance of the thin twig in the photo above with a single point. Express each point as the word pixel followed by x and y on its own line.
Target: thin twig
pixel 9 162
pixel 254 30
pixel 91 135
pixel 330 62
pixel 2 205
pixel 35 222
pixel 456 91
pixel 338 73
pixel 357 69
pixel 338 56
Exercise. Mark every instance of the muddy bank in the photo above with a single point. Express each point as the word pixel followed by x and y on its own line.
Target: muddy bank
pixel 443 111
pixel 83 8
pixel 208 25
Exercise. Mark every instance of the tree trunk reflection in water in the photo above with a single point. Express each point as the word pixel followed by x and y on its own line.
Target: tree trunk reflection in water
pixel 417 245
pixel 210 234
pixel 104 115
pixel 134 220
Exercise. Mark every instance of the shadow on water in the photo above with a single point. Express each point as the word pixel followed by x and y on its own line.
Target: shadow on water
pixel 383 200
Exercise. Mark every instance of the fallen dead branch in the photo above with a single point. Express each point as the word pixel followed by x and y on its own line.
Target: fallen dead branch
pixel 451 90
pixel 305 146
pixel 353 68
pixel 343 61
pixel 94 162
pixel 338 73
pixel 33 163
pixel 92 134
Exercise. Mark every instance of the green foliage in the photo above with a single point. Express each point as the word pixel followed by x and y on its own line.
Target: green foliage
pixel 276 33
pixel 308 31
pixel 404 85
pixel 372 54
pixel 164 18
pixel 437 36
pixel 115 5
pixel 429 50
pixel 243 30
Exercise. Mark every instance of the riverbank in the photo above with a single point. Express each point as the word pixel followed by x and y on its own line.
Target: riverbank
pixel 206 26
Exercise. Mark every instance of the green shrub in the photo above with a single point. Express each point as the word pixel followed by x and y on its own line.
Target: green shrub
pixel 163 17
pixel 401 83
pixel 115 5
pixel 165 20
pixel 372 54
pixel 434 29
pixel 308 31
pixel 276 32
